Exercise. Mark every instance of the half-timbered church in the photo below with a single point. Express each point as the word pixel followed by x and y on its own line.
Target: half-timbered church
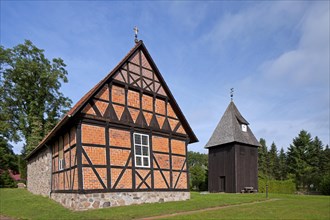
pixel 233 154
pixel 125 142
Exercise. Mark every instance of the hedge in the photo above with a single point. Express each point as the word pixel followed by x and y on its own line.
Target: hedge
pixel 277 186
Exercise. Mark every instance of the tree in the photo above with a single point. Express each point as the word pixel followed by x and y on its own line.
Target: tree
pixel 197 163
pixel 298 158
pixel 30 99
pixel 197 177
pixel 315 161
pixel 31 102
pixel 326 159
pixel 8 160
pixel 262 157
pixel 283 172
pixel 273 162
pixel 196 158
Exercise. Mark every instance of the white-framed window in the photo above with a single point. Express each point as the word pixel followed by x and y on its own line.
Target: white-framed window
pixel 244 127
pixel 141 150
pixel 60 164
pixel 60 155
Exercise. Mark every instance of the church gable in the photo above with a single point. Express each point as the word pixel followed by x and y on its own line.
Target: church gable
pixel 134 93
pixel 137 72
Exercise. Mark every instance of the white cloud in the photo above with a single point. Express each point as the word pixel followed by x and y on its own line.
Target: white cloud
pixel 309 62
pixel 248 24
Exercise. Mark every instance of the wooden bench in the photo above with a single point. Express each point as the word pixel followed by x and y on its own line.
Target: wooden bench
pixel 248 189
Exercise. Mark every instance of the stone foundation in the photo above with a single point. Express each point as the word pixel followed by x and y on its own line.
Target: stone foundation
pixel 103 200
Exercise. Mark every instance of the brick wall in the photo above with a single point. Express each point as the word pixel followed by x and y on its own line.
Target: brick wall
pixel 160 144
pixel 147 102
pixel 95 134
pixel 91 134
pixel 120 138
pixel 178 147
pixel 118 94
pixel 133 99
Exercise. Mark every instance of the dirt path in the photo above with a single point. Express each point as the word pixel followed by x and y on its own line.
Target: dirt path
pixel 2 217
pixel 204 210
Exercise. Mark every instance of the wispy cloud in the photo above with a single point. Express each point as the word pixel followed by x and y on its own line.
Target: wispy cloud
pixel 308 63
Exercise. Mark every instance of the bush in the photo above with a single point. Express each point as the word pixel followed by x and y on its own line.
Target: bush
pixel 6 181
pixel 277 186
pixel 325 185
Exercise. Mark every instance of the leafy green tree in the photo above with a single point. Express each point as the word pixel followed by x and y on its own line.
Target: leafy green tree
pixel 197 177
pixel 262 157
pixel 8 160
pixel 31 101
pixel 197 163
pixel 196 158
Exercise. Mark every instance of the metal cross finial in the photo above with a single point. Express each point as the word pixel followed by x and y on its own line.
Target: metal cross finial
pixel 231 93
pixel 136 31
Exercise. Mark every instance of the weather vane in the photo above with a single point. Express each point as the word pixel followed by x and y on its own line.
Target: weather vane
pixel 136 31
pixel 231 93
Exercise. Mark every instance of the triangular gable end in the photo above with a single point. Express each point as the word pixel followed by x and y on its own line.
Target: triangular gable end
pixel 137 69
pixel 140 71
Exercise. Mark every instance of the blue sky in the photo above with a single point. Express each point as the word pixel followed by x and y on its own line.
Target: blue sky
pixel 274 54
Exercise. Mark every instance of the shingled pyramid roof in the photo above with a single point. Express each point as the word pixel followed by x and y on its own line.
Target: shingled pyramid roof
pixel 229 129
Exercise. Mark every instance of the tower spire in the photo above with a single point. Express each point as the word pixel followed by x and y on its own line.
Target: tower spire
pixel 136 31
pixel 231 94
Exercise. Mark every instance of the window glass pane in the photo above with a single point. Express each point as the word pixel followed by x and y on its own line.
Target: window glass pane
pixel 145 161
pixel 145 140
pixel 145 151
pixel 137 138
pixel 138 161
pixel 138 150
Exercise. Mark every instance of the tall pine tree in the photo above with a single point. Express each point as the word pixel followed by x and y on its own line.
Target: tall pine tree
pixel 273 163
pixel 298 162
pixel 262 158
pixel 282 165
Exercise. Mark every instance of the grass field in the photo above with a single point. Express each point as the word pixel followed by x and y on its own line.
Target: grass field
pixel 20 204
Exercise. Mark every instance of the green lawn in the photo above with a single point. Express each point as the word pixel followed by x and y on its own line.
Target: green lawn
pixel 19 203
pixel 282 207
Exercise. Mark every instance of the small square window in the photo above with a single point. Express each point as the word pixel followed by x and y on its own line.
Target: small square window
pixel 244 127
